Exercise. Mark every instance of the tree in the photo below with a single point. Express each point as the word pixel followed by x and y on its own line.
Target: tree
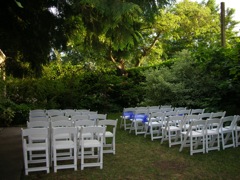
pixel 29 30
pixel 114 29
pixel 199 27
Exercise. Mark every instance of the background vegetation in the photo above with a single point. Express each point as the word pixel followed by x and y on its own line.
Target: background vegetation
pixel 106 55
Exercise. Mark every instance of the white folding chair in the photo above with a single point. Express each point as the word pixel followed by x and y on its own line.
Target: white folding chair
pixel 154 125
pixel 172 130
pixel 60 145
pixel 40 149
pixel 96 141
pixel 126 117
pixel 84 123
pixel 212 134
pixel 138 121
pixel 227 131
pixel 109 143
pixel 194 136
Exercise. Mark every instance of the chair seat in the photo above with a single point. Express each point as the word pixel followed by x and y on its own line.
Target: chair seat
pixel 194 133
pixel 91 143
pixel 173 128
pixel 36 146
pixel 211 132
pixel 107 134
pixel 64 144
pixel 226 129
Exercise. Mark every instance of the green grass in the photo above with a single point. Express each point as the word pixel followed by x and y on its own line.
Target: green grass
pixel 140 158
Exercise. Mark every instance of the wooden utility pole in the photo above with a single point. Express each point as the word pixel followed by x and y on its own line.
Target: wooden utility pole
pixel 223 37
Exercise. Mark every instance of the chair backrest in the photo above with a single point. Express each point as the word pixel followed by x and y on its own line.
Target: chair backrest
pixel 213 124
pixel 141 111
pixel 58 118
pixel 141 114
pixel 218 114
pixel 61 123
pixel 72 131
pixel 96 132
pixel 179 108
pixel 84 123
pixel 33 114
pixel 174 120
pixel 43 118
pixel 197 111
pixel 156 116
pixel 183 112
pixel 68 110
pixel 54 112
pixel 80 117
pixel 171 113
pixel 35 132
pixel 152 110
pixel 37 124
pixel 82 110
pixel 153 107
pixel 228 121
pixel 188 119
pixel 205 116
pixel 109 123
pixel 128 113
pixel 200 125
pixel 165 106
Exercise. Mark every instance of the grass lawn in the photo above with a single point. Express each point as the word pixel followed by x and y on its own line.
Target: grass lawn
pixel 140 158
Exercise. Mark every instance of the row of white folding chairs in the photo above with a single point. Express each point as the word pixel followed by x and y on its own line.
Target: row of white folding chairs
pixel 158 119
pixel 129 120
pixel 36 133
pixel 211 134
pixel 226 127
pixel 92 116
pixel 55 112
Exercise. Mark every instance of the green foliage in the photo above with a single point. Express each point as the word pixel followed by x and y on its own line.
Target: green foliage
pixel 6 112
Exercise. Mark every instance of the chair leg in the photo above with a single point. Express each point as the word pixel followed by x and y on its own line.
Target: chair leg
pixel 25 162
pixel 55 159
pixel 47 160
pixel 82 158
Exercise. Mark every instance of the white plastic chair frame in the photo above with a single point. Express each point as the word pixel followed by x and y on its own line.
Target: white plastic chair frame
pixel 96 141
pixel 111 126
pixel 137 122
pixel 172 130
pixel 59 145
pixel 126 119
pixel 194 136
pixel 212 134
pixel 40 149
pixel 227 131
pixel 155 123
